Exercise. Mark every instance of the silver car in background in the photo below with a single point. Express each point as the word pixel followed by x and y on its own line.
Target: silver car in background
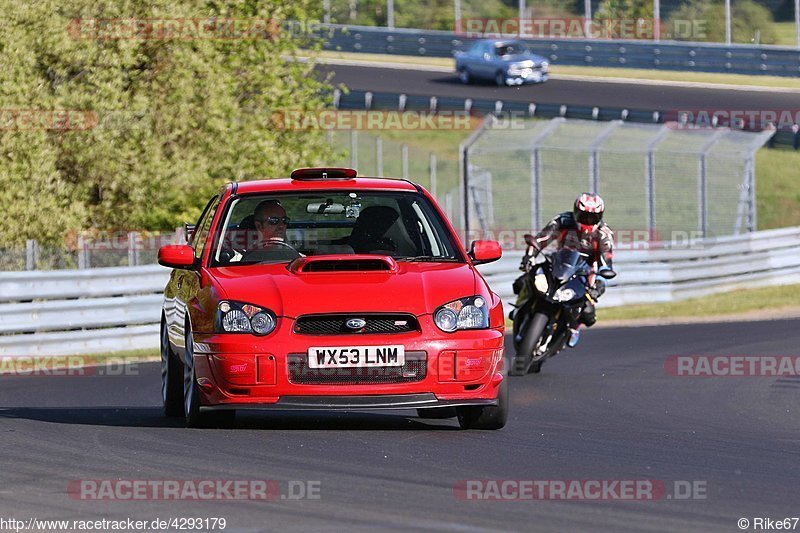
pixel 502 61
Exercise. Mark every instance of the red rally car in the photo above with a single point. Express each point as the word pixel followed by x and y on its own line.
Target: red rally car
pixel 330 291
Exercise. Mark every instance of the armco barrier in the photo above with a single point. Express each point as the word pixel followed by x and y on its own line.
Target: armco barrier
pixel 693 57
pixel 110 309
pixel 358 99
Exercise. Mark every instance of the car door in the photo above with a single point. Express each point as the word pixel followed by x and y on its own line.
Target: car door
pixel 185 283
pixel 484 61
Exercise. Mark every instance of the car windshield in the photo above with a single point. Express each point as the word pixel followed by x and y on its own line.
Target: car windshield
pixel 510 49
pixel 282 227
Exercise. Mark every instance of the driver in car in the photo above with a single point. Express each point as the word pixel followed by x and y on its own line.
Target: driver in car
pixel 271 221
pixel 583 230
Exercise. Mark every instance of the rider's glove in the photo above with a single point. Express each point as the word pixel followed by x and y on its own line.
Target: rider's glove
pixel 530 253
pixel 598 289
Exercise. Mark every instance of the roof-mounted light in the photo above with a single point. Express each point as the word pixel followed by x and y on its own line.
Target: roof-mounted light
pixel 309 174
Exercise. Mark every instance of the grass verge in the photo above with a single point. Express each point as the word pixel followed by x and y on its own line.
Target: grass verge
pixel 727 303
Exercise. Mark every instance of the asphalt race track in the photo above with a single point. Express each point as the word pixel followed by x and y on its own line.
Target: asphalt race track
pixel 607 410
pixel 569 92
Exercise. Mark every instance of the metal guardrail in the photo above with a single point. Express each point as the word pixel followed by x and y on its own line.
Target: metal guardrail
pixel 112 309
pixel 664 275
pixel 690 56
pixel 357 99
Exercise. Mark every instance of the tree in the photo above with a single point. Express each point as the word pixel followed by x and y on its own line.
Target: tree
pixel 750 22
pixel 175 118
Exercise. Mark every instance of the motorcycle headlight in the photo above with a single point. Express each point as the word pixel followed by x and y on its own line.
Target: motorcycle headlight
pixel 239 317
pixel 466 313
pixel 540 281
pixel 565 294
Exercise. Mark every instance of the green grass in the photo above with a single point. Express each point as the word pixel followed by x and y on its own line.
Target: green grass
pixel 597 72
pixel 777 188
pixel 727 303
pixel 785 34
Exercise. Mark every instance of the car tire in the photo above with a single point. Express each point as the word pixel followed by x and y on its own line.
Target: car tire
pixel 191 394
pixel 437 413
pixel 464 76
pixel 488 416
pixel 171 377
pixel 500 79
pixel 535 367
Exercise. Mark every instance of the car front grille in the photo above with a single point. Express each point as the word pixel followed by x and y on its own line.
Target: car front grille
pixel 336 324
pixel 415 369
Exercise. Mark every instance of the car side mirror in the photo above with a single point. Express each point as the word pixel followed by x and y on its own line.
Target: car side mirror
pixel 176 256
pixel 482 252
pixel 607 273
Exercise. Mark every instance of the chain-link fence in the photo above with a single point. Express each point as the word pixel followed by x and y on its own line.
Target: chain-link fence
pixel 90 249
pixel 661 179
pixel 376 155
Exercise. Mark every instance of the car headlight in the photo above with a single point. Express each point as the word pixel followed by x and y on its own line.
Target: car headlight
pixel 540 281
pixel 466 313
pixel 564 294
pixel 239 317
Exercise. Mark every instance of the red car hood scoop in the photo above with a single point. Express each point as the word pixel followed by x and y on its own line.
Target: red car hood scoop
pixel 343 263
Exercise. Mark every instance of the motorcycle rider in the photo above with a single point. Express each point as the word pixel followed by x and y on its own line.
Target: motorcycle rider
pixel 583 230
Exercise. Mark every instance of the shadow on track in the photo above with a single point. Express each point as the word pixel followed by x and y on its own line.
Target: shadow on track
pixel 152 417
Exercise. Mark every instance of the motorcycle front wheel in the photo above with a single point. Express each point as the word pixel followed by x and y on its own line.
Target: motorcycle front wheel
pixel 530 340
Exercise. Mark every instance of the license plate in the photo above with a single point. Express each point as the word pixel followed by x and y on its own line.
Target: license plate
pixel 356 356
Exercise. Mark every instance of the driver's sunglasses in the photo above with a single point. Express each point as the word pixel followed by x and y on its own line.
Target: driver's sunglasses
pixel 273 221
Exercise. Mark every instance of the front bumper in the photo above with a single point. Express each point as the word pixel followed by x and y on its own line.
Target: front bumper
pixel 527 75
pixel 333 403
pixel 243 371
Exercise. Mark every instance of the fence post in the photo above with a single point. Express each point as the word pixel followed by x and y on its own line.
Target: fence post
pixel 31 254
pixel 133 249
pixel 83 260
pixel 354 149
pixel 379 156
pixel 594 156
pixel 404 159
pixel 536 191
pixel 752 212
pixel 536 171
pixel 650 177
pixel 432 181
pixel 463 168
pixel 702 183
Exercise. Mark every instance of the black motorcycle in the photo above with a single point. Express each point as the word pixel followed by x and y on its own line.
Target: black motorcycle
pixel 555 289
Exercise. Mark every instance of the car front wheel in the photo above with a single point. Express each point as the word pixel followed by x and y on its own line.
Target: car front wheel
pixel 500 79
pixel 191 395
pixel 171 377
pixel 488 416
pixel 464 76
